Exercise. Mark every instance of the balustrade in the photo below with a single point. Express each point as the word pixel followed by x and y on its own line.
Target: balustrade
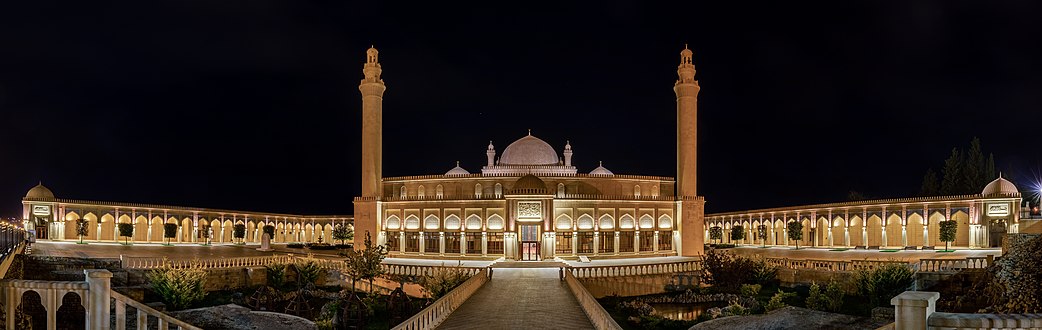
pixel 433 315
pixel 629 270
pixel 594 311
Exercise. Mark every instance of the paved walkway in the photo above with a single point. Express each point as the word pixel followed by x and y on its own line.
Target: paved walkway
pixel 114 250
pixel 525 298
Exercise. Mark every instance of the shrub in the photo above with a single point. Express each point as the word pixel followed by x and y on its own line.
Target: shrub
pixel 82 228
pixel 321 246
pixel 761 233
pixel 763 272
pixel 728 271
pixel 343 233
pixel 442 280
pixel 179 288
pixel 883 282
pixel 737 233
pixel 948 230
pixel 276 275
pixel 750 290
pixel 307 272
pixel 295 245
pixel 635 308
pixel 778 300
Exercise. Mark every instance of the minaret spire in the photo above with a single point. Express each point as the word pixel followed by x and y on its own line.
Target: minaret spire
pixel 372 89
pixel 691 213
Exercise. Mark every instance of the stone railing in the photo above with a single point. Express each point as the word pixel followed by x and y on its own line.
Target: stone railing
pixel 433 315
pixel 628 270
pixel 918 310
pixel 830 265
pixel 94 295
pixel 143 313
pixel 413 270
pixel 161 262
pixel 954 265
pixel 594 311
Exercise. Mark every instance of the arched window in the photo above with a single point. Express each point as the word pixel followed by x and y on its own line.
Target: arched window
pixel 499 190
pixel 626 221
pixel 393 222
pixel 419 192
pixel 560 190
pixel 477 190
pixel 412 222
pixel 636 191
pixel 473 222
pixel 606 222
pixel 452 222
pixel 495 222
pixel 665 222
pixel 646 221
pixel 403 193
pixel 439 192
pixel 431 222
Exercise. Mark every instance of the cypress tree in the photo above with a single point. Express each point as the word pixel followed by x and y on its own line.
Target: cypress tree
pixel 931 185
pixel 952 174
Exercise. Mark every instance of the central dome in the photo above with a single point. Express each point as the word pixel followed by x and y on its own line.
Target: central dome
pixel 529 150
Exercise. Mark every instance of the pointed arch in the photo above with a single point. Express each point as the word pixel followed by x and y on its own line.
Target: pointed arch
pixel 495 221
pixel 584 221
pixel 431 222
pixel 646 221
pixel 473 222
pixel 452 222
pixel 412 222
pixel 665 221
pixel 563 222
pixel 141 228
pixel 439 191
pixel 626 222
pixel 606 222
pixel 477 190
pixel 393 222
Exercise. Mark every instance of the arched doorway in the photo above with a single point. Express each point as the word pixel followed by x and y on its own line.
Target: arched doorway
pixel 996 232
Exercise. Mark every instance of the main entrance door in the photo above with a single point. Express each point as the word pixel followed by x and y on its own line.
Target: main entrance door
pixel 529 242
pixel 997 232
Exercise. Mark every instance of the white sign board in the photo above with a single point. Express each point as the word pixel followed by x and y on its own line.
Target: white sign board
pixel 1001 209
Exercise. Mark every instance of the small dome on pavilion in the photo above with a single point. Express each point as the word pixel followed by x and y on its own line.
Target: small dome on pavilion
pixel 457 170
pixel 600 170
pixel 1000 186
pixel 39 192
pixel 529 184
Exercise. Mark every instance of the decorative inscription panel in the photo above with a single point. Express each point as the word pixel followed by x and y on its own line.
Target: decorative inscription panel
pixel 529 210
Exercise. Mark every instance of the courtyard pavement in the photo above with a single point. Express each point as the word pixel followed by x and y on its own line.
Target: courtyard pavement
pixel 114 250
pixel 520 298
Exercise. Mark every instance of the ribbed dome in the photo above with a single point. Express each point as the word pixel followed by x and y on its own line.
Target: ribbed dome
pixel 1000 187
pixel 600 170
pixel 529 150
pixel 457 171
pixel 529 184
pixel 39 192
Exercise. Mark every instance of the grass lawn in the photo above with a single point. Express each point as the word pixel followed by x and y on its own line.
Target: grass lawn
pixel 840 249
pixel 889 250
pixel 943 251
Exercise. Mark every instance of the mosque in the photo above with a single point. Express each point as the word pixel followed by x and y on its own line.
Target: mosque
pixel 530 202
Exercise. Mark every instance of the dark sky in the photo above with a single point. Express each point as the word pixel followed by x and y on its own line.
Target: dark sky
pixel 253 105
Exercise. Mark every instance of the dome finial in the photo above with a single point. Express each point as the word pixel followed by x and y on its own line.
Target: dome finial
pixel 457 163
pixel 529 132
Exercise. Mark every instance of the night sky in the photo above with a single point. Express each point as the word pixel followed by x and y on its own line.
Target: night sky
pixel 253 105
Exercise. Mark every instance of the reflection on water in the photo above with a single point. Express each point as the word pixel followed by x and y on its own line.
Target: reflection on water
pixel 684 312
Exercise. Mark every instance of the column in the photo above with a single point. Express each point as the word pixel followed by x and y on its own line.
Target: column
pixel 422 241
pixel 882 221
pixel 926 226
pixel 616 242
pixel 98 286
pixel 596 241
pixel 441 243
pixel 904 224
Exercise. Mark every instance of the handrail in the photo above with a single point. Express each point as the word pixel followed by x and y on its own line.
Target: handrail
pixel 830 265
pixel 143 311
pixel 437 312
pixel 628 270
pixel 953 265
pixel 599 317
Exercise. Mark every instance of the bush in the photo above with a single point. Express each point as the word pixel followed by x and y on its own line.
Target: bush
pixel 295 245
pixel 737 233
pixel 276 275
pixel 728 271
pixel 883 282
pixel 716 233
pixel 343 246
pixel 795 232
pixel 829 300
pixel 126 230
pixel 307 272
pixel 442 280
pixel 635 308
pixel 750 290
pixel 179 288
pixel 169 230
pixel 778 300
pixel 321 246
pixel 239 231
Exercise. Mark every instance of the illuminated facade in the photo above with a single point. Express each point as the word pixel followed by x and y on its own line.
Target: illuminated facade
pixel 530 203
pixel 983 220
pixel 55 219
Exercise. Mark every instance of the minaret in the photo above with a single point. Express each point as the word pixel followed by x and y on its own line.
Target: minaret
pixel 372 88
pixel 691 208
pixel 568 153
pixel 686 89
pixel 367 207
pixel 491 154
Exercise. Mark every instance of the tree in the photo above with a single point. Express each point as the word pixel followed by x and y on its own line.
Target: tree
pixel 952 174
pixel 169 231
pixel 717 233
pixel 126 230
pixel 82 227
pixel 854 196
pixel 343 233
pixel 239 231
pixel 973 168
pixel 761 233
pixel 270 230
pixel 931 185
pixel 948 229
pixel 737 233
pixel 795 232
pixel 365 264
